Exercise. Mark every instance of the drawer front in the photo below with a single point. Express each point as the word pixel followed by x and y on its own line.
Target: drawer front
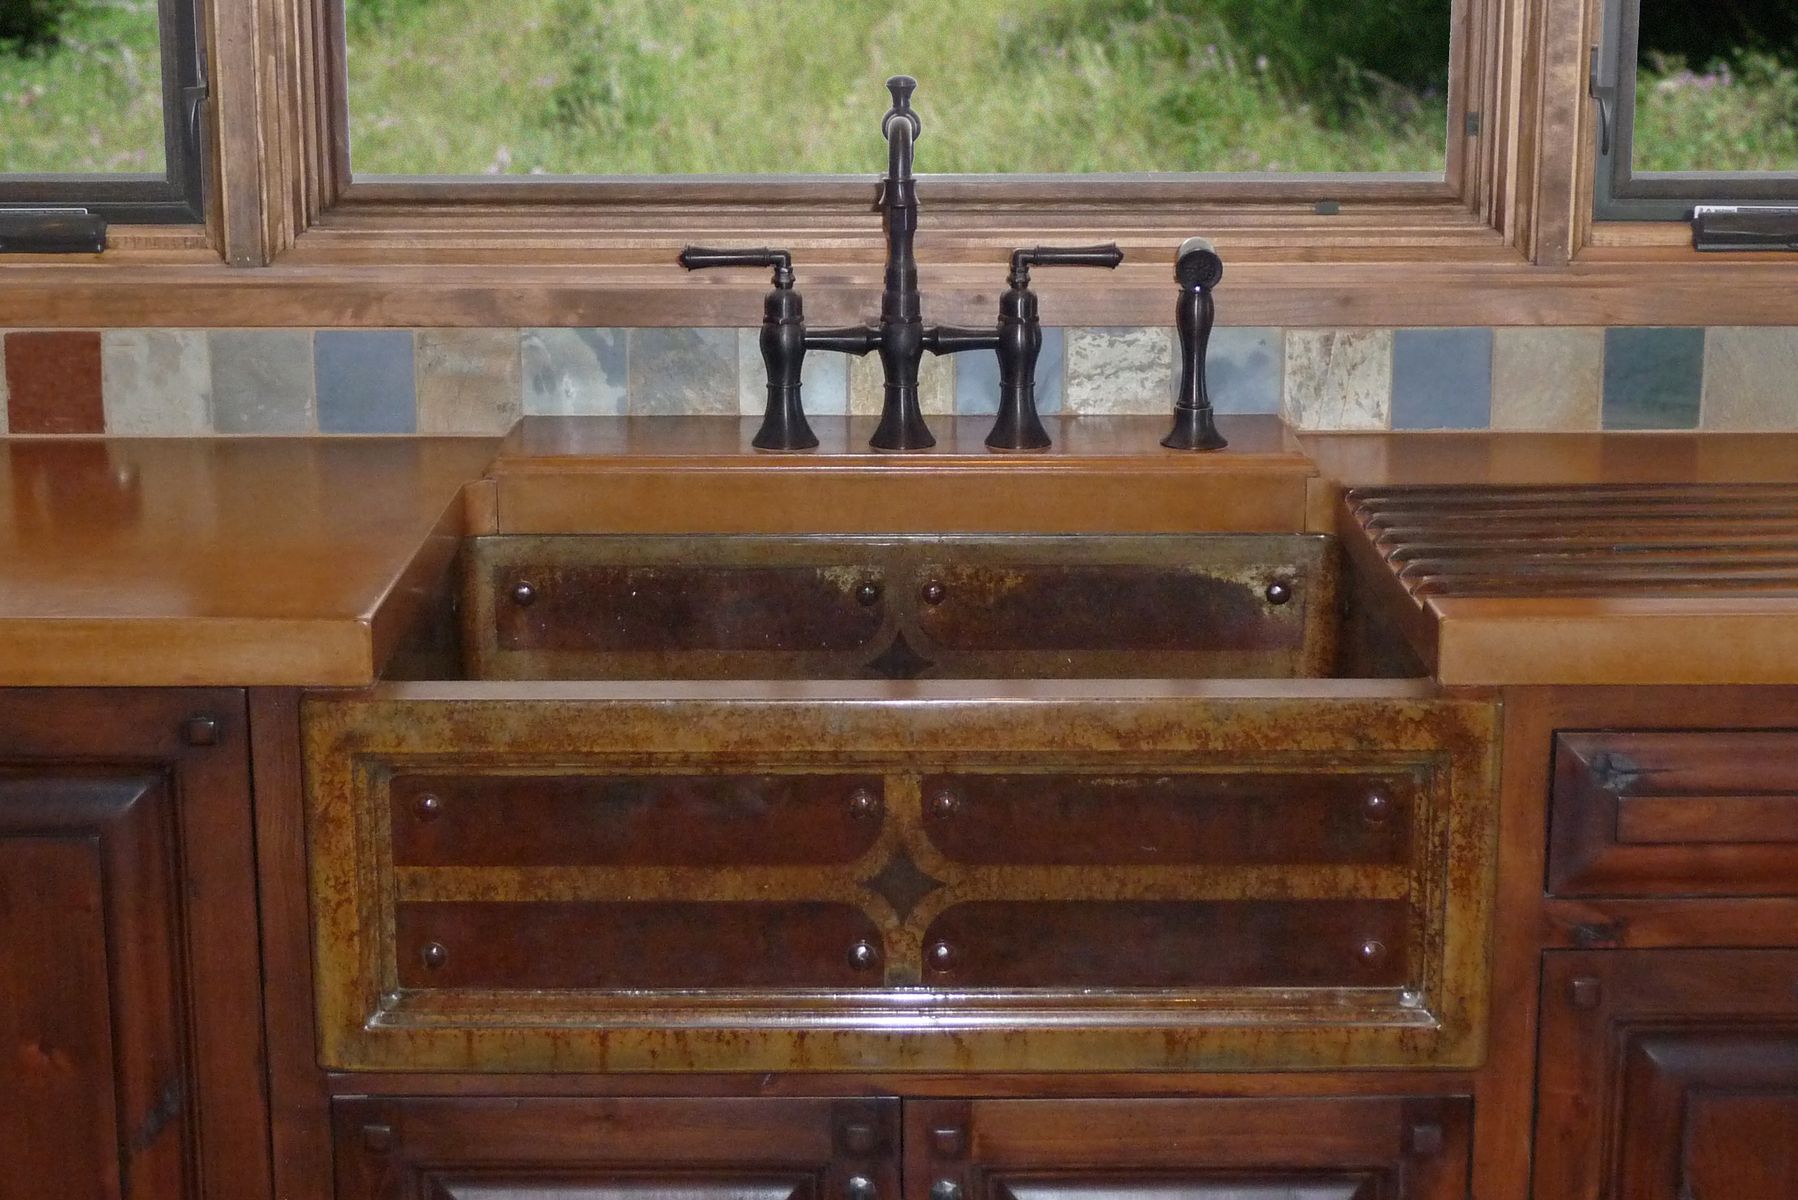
pixel 495 819
pixel 862 608
pixel 1699 813
pixel 1170 896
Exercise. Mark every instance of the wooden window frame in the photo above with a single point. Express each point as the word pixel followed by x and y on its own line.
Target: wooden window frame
pixel 289 243
pixel 178 197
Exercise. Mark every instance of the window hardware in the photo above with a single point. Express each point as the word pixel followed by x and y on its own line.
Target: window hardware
pixel 51 231
pixel 1606 95
pixel 1473 124
pixel 1720 227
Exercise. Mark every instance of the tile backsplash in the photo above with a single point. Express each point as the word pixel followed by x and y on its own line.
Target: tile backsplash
pixel 167 382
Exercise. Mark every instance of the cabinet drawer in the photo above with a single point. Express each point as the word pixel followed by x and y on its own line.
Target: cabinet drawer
pixel 1699 813
pixel 1287 1148
pixel 443 1148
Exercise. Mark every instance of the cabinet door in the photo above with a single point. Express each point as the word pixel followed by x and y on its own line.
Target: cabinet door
pixel 1372 1148
pixel 427 1148
pixel 128 996
pixel 1669 1075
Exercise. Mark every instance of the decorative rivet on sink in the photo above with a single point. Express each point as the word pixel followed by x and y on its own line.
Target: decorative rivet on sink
pixel 524 593
pixel 945 803
pixel 940 956
pixel 868 594
pixel 1279 592
pixel 1372 951
pixel 935 592
pixel 1376 808
pixel 429 806
pixel 864 956
pixel 434 955
pixel 863 803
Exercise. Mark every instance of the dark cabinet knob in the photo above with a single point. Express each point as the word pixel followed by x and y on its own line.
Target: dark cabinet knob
pixel 945 803
pixel 945 1189
pixel 863 803
pixel 1376 808
pixel 860 1187
pixel 864 956
pixel 934 592
pixel 868 594
pixel 434 955
pixel 524 594
pixel 429 806
pixel 1372 952
pixel 1279 592
pixel 940 956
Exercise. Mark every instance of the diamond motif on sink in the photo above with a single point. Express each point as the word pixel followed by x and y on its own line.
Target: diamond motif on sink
pixel 902 883
pixel 900 661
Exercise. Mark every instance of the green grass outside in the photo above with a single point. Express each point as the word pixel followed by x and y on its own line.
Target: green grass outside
pixel 679 86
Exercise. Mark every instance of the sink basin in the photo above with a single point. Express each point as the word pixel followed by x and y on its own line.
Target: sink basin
pixel 1169 606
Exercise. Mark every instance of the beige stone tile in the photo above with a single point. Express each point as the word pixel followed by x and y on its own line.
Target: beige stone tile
pixel 1338 378
pixel 576 372
pixel 156 382
pixel 1113 371
pixel 936 385
pixel 1750 379
pixel 1548 379
pixel 468 380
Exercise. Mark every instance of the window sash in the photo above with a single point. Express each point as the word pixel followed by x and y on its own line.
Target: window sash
pixel 1622 194
pixel 173 198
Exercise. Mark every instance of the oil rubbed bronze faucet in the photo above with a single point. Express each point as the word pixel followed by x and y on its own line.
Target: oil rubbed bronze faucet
pixel 901 336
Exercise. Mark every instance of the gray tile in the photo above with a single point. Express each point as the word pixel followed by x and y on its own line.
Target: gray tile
pixel 261 380
pixel 575 372
pixel 1120 370
pixel 977 378
pixel 367 381
pixel 1244 369
pixel 1442 379
pixel 1547 379
pixel 1338 379
pixel 936 386
pixel 683 372
pixel 156 382
pixel 468 380
pixel 824 382
pixel 1749 379
pixel 1653 378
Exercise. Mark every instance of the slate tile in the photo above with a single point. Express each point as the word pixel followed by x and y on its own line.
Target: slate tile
pixel 1245 369
pixel 1120 370
pixel 1751 379
pixel 1550 379
pixel 576 372
pixel 1653 378
pixel 261 381
pixel 468 381
pixel 936 385
pixel 1338 378
pixel 683 372
pixel 366 381
pixel 977 378
pixel 824 380
pixel 1441 379
pixel 156 382
pixel 54 382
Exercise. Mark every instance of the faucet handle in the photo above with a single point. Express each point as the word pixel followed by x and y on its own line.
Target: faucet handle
pixel 699 258
pixel 1107 256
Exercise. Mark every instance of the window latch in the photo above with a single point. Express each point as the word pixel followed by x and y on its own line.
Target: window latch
pixel 1606 95
pixel 51 231
pixel 193 104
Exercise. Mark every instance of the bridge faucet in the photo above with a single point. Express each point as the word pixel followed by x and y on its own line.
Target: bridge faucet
pixel 901 337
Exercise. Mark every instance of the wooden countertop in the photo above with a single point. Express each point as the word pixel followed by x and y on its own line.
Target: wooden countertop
pixel 301 562
pixel 137 562
pixel 1663 558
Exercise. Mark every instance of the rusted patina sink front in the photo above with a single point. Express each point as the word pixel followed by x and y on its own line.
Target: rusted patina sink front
pixel 938 607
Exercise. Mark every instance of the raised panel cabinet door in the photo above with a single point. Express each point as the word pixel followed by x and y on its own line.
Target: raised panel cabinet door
pixel 1669 1075
pixel 130 1036
pixel 1352 1148
pixel 451 1148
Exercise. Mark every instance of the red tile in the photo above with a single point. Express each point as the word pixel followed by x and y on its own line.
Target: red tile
pixel 53 383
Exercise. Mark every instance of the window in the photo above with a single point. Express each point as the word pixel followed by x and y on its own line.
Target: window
pixel 1698 105
pixel 100 108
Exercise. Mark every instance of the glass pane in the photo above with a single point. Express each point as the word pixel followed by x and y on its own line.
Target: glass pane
pixel 1717 86
pixel 669 87
pixel 80 88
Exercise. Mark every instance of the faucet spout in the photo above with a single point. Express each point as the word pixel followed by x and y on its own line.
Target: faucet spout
pixel 901 345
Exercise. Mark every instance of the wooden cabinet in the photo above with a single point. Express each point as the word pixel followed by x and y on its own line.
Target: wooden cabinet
pixel 1359 1148
pixel 1669 1075
pixel 130 1028
pixel 424 1148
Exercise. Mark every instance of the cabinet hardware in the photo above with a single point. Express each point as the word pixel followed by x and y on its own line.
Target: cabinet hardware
pixel 948 1141
pixel 860 1187
pixel 864 956
pixel 935 593
pixel 201 731
pixel 434 955
pixel 1279 592
pixel 1372 951
pixel 945 803
pixel 1376 808
pixel 940 956
pixel 429 806
pixel 868 594
pixel 524 594
pixel 945 1189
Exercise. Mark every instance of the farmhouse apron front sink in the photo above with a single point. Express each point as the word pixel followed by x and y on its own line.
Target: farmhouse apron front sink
pixel 900 803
